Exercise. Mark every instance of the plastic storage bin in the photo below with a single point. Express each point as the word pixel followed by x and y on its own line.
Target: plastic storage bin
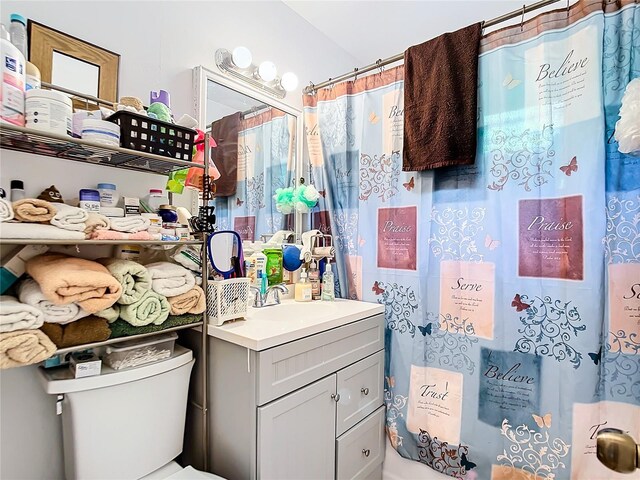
pixel 150 135
pixel 227 299
pixel 134 353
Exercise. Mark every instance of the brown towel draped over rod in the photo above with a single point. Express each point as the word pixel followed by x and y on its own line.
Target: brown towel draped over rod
pixel 396 58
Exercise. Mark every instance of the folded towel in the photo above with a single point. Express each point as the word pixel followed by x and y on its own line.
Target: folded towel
pixel 18 316
pixel 110 314
pixel 6 210
pixel 24 347
pixel 39 231
pixel 134 278
pixel 88 330
pixel 191 302
pixel 130 224
pixel 33 210
pixel 66 280
pixel 111 235
pixel 169 279
pixel 120 328
pixel 96 221
pixel 70 218
pixel 151 308
pixel 30 293
pixel 440 100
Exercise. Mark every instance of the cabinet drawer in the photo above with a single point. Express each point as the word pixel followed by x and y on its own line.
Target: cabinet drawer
pixel 360 451
pixel 287 367
pixel 360 387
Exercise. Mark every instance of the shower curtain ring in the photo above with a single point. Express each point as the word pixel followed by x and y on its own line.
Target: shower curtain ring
pixel 355 74
pixel 568 8
pixel 522 18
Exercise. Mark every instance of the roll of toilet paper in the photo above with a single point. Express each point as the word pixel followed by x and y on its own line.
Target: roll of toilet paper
pixel 324 252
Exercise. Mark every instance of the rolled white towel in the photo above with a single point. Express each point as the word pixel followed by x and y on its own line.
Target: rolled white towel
pixel 30 293
pixel 6 210
pixel 18 316
pixel 169 279
pixel 69 218
pixel 133 224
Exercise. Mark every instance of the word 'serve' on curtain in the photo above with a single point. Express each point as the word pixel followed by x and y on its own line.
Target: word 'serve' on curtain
pixel 265 163
pixel 510 286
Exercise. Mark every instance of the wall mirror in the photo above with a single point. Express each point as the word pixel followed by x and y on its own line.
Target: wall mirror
pixel 258 151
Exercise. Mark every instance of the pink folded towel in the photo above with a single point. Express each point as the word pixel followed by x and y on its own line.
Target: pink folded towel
pixel 113 235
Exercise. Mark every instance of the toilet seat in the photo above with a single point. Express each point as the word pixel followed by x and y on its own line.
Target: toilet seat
pixel 173 471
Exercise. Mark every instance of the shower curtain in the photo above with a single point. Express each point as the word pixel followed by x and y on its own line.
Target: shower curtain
pixel 511 287
pixel 265 163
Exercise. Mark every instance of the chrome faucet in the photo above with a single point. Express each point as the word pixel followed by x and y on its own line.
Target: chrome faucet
pixel 260 300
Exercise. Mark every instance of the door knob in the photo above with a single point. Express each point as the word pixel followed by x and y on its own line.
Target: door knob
pixel 364 391
pixel 335 396
pixel 617 450
pixel 366 452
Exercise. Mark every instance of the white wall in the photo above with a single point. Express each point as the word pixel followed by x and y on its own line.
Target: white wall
pixel 159 43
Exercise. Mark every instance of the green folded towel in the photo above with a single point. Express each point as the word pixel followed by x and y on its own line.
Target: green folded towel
pixel 151 308
pixel 110 314
pixel 121 328
pixel 134 278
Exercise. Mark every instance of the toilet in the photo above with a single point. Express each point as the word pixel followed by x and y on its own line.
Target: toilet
pixel 125 424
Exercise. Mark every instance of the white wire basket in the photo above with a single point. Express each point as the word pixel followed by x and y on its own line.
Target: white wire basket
pixel 227 299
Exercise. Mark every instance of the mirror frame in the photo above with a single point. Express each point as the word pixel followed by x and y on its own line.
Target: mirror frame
pixel 201 75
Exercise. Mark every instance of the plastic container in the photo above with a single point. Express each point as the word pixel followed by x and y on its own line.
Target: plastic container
pixel 134 353
pixel 49 111
pixel 12 78
pixel 139 132
pixel 328 285
pixel 18 33
pixel 156 198
pixel 17 190
pixel 303 289
pixel 100 131
pixel 109 196
pixel 227 299
pixel 32 78
pixel 168 213
pixel 314 280
pixel 89 200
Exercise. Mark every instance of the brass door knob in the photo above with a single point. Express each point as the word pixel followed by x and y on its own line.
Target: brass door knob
pixel 617 451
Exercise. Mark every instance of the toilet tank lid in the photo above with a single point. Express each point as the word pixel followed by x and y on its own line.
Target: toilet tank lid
pixel 59 381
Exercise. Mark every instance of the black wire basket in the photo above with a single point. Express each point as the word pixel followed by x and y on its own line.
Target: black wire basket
pixel 144 134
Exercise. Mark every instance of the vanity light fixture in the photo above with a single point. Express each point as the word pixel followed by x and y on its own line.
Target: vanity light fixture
pixel 264 77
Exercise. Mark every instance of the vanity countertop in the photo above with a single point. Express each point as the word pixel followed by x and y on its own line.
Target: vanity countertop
pixel 275 325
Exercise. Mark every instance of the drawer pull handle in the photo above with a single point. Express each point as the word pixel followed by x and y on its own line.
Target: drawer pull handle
pixel 364 391
pixel 335 396
pixel 366 452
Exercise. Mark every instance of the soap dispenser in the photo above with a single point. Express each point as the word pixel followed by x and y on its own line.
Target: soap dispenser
pixel 314 280
pixel 303 289
pixel 328 285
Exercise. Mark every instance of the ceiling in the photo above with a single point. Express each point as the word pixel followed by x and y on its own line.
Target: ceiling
pixel 374 29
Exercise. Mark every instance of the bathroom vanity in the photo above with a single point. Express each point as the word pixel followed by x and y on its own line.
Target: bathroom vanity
pixel 296 392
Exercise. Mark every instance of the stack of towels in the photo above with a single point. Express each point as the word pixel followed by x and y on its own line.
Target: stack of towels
pixel 33 218
pixel 67 301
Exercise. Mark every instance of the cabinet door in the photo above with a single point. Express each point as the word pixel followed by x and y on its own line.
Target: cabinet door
pixel 296 434
pixel 360 451
pixel 360 387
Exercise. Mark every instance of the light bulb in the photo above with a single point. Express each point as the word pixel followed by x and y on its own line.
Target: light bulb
pixel 241 57
pixel 289 81
pixel 267 71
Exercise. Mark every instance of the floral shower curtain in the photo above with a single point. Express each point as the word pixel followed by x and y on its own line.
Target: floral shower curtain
pixel 511 286
pixel 265 163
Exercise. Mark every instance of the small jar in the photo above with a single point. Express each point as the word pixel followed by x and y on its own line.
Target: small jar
pixel 168 213
pixel 109 197
pixel 89 200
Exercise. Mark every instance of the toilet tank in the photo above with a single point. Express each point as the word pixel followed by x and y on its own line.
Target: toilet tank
pixel 123 424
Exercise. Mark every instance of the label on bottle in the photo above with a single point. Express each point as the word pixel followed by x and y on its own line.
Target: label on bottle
pixel 306 294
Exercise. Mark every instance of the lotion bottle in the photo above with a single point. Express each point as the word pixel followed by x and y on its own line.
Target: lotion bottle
pixel 303 289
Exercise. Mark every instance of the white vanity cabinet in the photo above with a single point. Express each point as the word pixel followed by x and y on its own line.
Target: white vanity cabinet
pixel 309 408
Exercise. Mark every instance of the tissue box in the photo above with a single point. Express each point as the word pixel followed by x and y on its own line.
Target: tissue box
pixel 84 364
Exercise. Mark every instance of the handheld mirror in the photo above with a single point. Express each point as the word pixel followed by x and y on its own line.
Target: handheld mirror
pixel 224 249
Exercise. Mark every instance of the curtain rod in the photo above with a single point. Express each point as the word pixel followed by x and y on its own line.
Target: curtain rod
pixel 396 58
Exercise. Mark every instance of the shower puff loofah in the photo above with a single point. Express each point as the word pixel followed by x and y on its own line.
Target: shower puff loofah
pixel 305 197
pixel 284 200
pixel 627 131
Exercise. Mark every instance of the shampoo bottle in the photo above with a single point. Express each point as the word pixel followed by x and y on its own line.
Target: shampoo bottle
pixel 328 285
pixel 303 289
